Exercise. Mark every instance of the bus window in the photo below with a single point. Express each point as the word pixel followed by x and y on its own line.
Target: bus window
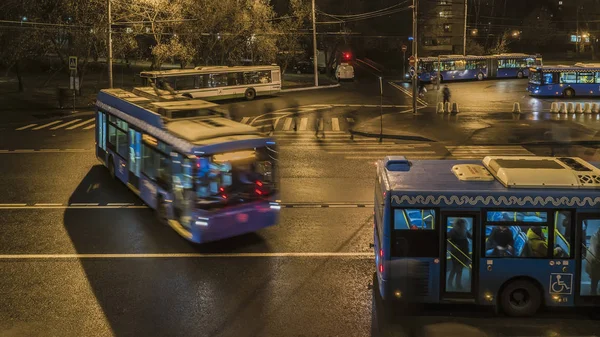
pixel 587 78
pixel 590 251
pixel 568 78
pixel 217 80
pixel 535 78
pixel 185 83
pixel 548 78
pixel 563 229
pixel 530 62
pixel 598 77
pixel 459 65
pixel 447 65
pixel 504 216
pixel 234 79
pixel 414 219
pixel 527 237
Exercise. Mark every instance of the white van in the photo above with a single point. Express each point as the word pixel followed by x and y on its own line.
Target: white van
pixel 344 71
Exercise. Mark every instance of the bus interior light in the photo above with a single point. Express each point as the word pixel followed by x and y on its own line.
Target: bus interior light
pixel 234 156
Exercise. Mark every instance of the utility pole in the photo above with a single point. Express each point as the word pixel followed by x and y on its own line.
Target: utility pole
pixel 465 35
pixel 315 54
pixel 414 50
pixel 109 58
pixel 578 36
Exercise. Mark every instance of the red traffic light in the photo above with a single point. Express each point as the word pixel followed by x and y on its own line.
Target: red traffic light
pixel 347 55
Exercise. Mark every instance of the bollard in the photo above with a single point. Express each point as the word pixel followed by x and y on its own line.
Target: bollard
pixel 516 108
pixel 447 107
pixel 562 108
pixel 570 107
pixel 455 108
pixel 440 108
pixel 595 108
pixel 587 108
pixel 578 108
pixel 554 107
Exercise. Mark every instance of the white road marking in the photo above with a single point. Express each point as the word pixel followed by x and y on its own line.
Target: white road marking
pixel 335 124
pixel 46 125
pixel 65 124
pixel 303 124
pixel 287 124
pixel 13 205
pixel 47 204
pixel 26 127
pixel 245 120
pixel 120 204
pixel 44 151
pixel 90 127
pixel 182 255
pixel 81 124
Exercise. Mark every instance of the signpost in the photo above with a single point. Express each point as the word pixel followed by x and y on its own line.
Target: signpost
pixel 74 80
pixel 403 60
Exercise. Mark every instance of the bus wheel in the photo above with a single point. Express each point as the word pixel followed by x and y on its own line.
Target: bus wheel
pixel 570 93
pixel 520 74
pixel 111 167
pixel 250 94
pixel 520 298
pixel 480 77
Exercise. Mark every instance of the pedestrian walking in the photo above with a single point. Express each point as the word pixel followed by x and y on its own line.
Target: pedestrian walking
pixel 268 109
pixel 446 93
pixel 319 124
pixel 351 118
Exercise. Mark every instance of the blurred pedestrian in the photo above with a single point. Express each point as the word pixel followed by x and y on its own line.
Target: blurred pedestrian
pixel 351 119
pixel 269 108
pixel 459 236
pixel 319 124
pixel 446 93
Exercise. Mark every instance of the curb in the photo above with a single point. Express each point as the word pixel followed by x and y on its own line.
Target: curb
pixel 401 137
pixel 312 88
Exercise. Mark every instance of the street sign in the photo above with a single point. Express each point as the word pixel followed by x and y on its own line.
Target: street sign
pixel 411 61
pixel 73 62
pixel 404 48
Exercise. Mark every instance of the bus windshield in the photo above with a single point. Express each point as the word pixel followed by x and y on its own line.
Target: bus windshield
pixel 236 177
pixel 535 78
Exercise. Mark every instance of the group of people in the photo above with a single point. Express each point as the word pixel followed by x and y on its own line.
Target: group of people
pixel 445 92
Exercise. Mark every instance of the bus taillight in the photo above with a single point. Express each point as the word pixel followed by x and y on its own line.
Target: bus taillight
pixel 381 252
pixel 381 267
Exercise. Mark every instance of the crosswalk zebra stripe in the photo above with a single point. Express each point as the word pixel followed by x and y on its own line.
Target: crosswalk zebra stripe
pixel 245 120
pixel 287 124
pixel 47 125
pixel 65 124
pixel 80 124
pixel 350 119
pixel 303 124
pixel 26 127
pixel 335 124
pixel 90 127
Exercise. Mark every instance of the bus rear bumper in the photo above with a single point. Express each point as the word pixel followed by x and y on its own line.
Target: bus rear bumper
pixel 234 221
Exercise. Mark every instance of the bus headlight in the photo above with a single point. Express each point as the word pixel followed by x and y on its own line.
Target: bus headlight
pixel 202 222
pixel 274 205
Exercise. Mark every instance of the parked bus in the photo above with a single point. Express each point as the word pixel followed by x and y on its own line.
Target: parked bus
pixel 512 232
pixel 565 81
pixel 459 67
pixel 214 83
pixel 205 175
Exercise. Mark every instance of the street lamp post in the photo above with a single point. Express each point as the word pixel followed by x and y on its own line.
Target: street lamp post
pixel 315 55
pixel 380 110
pixel 414 50
pixel 465 35
pixel 109 58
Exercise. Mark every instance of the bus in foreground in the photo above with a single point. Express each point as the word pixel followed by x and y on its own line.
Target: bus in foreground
pixel 513 232
pixel 459 67
pixel 205 175
pixel 214 83
pixel 565 81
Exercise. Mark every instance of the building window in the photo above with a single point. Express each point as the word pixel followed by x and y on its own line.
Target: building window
pixel 447 28
pixel 445 2
pixel 445 14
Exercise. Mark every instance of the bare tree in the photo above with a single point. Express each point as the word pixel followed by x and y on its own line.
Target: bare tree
pixel 288 29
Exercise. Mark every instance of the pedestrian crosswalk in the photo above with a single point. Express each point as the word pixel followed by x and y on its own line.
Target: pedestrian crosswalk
pixel 70 125
pixel 302 124
pixel 476 152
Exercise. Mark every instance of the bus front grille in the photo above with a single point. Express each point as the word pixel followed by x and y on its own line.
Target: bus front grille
pixel 420 279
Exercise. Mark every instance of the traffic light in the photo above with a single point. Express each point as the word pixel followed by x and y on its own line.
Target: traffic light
pixel 347 56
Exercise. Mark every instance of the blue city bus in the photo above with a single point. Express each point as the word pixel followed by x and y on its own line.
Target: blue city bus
pixel 515 232
pixel 565 81
pixel 205 175
pixel 458 67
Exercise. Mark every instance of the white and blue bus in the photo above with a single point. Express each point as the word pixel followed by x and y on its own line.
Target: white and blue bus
pixel 565 81
pixel 205 175
pixel 459 67
pixel 216 82
pixel 513 232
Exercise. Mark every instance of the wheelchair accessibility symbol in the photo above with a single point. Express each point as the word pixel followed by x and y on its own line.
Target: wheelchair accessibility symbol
pixel 561 284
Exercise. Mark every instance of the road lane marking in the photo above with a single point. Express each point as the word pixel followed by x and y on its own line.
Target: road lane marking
pixel 14 205
pixel 90 127
pixel 47 204
pixel 183 255
pixel 245 120
pixel 65 124
pixel 44 151
pixel 120 204
pixel 26 127
pixel 134 206
pixel 287 124
pixel 303 124
pixel 47 125
pixel 335 124
pixel 80 124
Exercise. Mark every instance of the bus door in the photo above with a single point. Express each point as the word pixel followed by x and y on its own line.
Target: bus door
pixel 492 67
pixel 135 157
pixel 414 266
pixel 588 226
pixel 459 266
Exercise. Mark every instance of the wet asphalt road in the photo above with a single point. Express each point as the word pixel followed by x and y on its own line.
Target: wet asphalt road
pixel 307 276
